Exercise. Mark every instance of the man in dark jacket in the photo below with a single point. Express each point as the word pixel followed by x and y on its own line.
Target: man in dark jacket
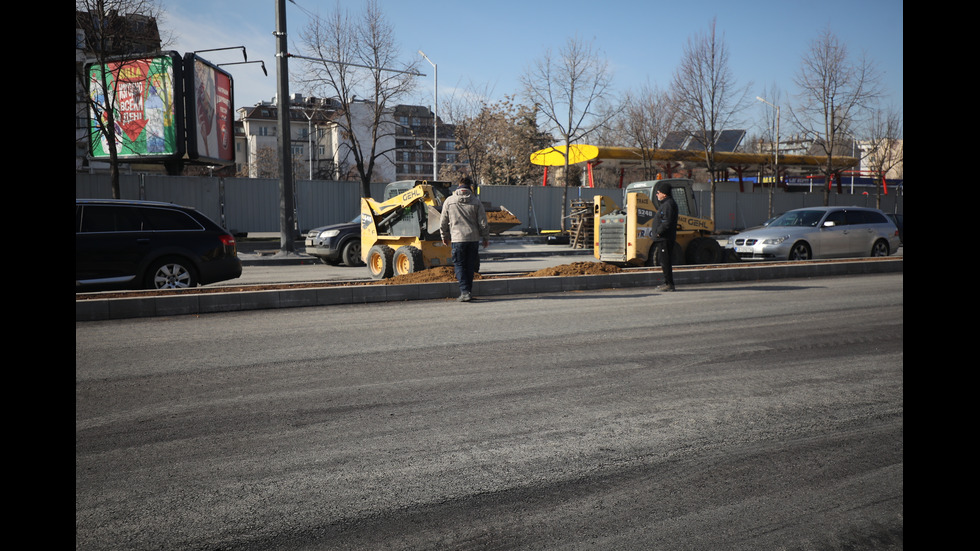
pixel 464 224
pixel 665 233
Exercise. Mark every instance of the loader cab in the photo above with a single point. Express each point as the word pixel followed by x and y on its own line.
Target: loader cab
pixel 681 191
pixel 416 220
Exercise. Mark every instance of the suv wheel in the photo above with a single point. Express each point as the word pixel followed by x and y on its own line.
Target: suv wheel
pixel 351 253
pixel 171 273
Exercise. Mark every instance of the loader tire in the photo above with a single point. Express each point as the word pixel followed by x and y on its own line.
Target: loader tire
pixel 408 260
pixel 380 261
pixel 703 250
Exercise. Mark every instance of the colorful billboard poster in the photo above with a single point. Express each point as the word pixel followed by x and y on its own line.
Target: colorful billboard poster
pixel 210 112
pixel 144 105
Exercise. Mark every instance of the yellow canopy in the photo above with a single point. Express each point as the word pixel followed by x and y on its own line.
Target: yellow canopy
pixel 580 153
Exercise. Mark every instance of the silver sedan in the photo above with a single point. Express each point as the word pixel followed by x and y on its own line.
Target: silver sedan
pixel 819 232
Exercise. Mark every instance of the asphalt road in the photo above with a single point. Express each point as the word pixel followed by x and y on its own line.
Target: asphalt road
pixel 740 416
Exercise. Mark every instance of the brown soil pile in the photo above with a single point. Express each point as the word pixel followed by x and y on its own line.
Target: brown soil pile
pixel 502 217
pixel 437 274
pixel 442 274
pixel 577 269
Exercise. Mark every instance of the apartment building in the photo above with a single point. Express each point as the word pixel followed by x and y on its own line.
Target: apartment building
pixel 320 151
pixel 317 146
pixel 417 129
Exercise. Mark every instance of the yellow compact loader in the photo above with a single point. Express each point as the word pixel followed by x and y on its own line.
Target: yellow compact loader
pixel 401 234
pixel 624 236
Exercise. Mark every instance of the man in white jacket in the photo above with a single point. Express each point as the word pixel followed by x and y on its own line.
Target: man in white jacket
pixel 464 224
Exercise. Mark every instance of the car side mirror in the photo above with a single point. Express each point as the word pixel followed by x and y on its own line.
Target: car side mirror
pixel 828 224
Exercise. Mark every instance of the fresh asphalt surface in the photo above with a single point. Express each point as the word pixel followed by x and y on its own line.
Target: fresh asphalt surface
pixel 739 416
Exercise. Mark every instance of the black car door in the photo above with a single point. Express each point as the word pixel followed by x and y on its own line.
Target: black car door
pixel 109 242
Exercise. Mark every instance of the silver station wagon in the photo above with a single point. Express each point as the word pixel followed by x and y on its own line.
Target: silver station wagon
pixel 819 232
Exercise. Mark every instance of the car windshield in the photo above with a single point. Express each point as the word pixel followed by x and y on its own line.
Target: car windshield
pixel 799 218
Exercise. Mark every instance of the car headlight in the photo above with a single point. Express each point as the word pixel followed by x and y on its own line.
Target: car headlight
pixel 329 233
pixel 775 240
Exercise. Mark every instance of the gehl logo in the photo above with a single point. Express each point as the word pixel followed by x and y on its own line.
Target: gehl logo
pixel 693 222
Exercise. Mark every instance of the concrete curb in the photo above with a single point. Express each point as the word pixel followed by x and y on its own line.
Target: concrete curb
pixel 236 301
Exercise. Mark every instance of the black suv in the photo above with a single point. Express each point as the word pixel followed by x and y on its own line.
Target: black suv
pixel 150 245
pixel 336 243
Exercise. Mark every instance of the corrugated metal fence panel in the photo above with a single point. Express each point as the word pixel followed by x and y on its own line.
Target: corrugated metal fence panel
pixel 319 202
pixel 529 205
pixel 201 193
pixel 92 186
pixel 252 204
pixel 538 208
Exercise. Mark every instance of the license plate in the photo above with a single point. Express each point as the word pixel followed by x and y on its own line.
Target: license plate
pixel 309 242
pixel 743 249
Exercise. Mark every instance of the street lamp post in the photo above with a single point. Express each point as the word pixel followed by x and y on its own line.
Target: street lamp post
pixel 309 138
pixel 435 119
pixel 776 163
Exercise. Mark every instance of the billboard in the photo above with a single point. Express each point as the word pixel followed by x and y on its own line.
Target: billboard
pixel 147 107
pixel 209 106
pixel 163 108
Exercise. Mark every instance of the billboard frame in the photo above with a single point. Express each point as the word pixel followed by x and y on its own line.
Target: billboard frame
pixel 221 116
pixel 136 107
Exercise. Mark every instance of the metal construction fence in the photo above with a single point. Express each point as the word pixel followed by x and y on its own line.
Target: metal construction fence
pixel 252 205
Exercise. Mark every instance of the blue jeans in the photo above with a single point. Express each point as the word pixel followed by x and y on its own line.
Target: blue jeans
pixel 466 259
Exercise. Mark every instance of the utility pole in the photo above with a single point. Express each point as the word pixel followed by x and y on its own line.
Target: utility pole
pixel 287 216
pixel 435 120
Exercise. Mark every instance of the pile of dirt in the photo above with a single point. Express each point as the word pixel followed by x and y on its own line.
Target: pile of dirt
pixel 577 269
pixel 502 217
pixel 436 274
pixel 444 274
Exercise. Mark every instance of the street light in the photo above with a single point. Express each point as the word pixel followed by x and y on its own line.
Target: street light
pixel 435 120
pixel 776 164
pixel 244 55
pixel 247 62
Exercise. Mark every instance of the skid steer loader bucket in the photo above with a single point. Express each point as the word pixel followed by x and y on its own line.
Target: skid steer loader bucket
pixel 501 220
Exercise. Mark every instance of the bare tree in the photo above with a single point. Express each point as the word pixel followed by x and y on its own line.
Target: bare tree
pixel 835 92
pixel 463 110
pixel 356 61
pixel 568 90
pixel 494 138
pixel 886 149
pixel 645 120
pixel 771 120
pixel 111 30
pixel 706 93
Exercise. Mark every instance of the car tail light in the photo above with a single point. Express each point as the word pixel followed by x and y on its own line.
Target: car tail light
pixel 228 241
